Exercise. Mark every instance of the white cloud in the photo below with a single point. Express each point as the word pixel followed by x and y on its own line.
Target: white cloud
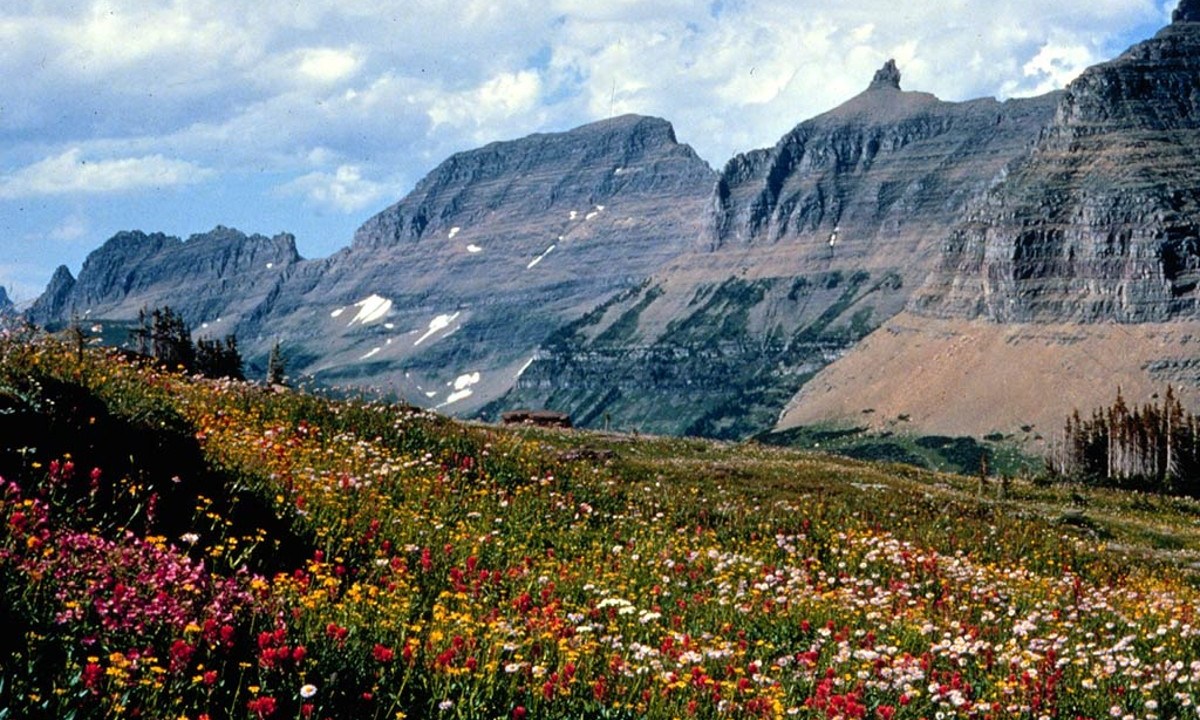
pixel 342 94
pixel 1053 67
pixel 502 97
pixel 345 190
pixel 69 174
pixel 327 65
pixel 72 227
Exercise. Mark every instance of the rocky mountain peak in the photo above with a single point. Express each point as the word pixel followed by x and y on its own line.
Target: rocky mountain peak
pixel 8 310
pixel 52 304
pixel 596 162
pixel 1098 222
pixel 888 77
pixel 1188 11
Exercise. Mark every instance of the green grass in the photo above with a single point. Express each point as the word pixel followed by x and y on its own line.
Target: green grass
pixel 240 552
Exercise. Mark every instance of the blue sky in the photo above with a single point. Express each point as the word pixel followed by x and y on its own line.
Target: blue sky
pixel 308 116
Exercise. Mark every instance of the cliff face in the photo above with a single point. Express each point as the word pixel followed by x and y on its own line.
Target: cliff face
pixel 1076 274
pixel 1102 221
pixel 217 278
pixel 459 283
pixel 610 273
pixel 7 309
pixel 547 182
pixel 806 248
pixel 444 296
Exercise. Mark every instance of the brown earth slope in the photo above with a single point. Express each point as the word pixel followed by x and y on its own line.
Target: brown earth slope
pixel 973 377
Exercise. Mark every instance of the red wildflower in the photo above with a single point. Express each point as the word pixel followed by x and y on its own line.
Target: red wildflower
pixel 382 653
pixel 92 673
pixel 262 707
pixel 181 655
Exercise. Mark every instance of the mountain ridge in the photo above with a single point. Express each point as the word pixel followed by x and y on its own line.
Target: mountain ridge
pixel 609 272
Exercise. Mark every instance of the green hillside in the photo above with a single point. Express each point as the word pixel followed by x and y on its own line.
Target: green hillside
pixel 173 547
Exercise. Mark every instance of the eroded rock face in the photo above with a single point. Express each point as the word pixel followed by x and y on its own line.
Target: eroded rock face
pixel 444 296
pixel 51 305
pixel 492 252
pixel 7 309
pixel 1102 221
pixel 223 275
pixel 808 246
pixel 1188 11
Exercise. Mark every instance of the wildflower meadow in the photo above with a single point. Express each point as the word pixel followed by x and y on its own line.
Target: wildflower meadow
pixel 176 547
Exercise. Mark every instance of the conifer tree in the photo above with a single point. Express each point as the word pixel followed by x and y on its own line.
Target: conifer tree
pixel 276 369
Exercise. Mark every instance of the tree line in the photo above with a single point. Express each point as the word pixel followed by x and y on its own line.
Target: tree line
pixel 163 335
pixel 1155 447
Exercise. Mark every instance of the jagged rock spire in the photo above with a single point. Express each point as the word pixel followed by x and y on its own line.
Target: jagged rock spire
pixel 888 76
pixel 1188 11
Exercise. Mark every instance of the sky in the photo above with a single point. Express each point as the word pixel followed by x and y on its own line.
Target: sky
pixel 309 116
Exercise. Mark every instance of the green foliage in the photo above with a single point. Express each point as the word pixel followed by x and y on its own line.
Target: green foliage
pixel 219 358
pixel 276 367
pixel 723 316
pixel 935 452
pixel 165 336
pixel 625 327
pixel 1155 447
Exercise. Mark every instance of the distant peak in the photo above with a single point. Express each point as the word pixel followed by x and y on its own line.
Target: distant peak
pixel 1188 11
pixel 629 123
pixel 888 76
pixel 62 274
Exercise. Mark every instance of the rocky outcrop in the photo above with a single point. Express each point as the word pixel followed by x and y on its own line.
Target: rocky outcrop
pixel 1187 11
pixel 887 77
pixel 52 305
pixel 462 280
pixel 1102 221
pixel 214 280
pixel 808 246
pixel 444 296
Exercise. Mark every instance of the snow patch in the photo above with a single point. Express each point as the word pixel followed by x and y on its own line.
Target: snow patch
pixel 474 249
pixel 456 396
pixel 390 326
pixel 431 394
pixel 539 258
pixel 436 325
pixel 462 388
pixel 523 369
pixel 337 313
pixel 599 208
pixel 465 381
pixel 454 231
pixel 618 171
pixel 591 215
pixel 373 353
pixel 270 265
pixel 371 309
pixel 574 214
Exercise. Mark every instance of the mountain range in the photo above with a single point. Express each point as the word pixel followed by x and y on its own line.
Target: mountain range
pixel 899 261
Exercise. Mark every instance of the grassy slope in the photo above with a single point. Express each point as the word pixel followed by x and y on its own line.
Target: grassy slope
pixel 316 518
